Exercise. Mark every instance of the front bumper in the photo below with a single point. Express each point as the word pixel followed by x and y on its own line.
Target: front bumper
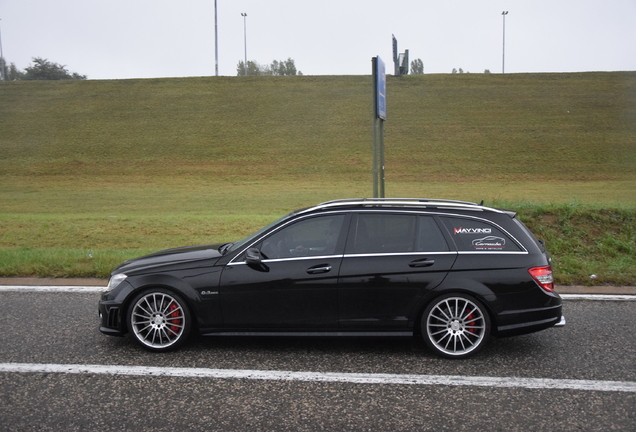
pixel 111 320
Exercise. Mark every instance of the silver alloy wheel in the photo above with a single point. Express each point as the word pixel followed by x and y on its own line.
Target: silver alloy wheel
pixel 456 326
pixel 158 320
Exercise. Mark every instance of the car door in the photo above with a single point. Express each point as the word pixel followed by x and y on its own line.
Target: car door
pixel 294 285
pixel 391 261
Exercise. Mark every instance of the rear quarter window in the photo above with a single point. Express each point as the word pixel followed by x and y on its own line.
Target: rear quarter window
pixel 476 236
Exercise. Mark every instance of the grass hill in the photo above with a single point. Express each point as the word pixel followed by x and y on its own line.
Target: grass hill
pixel 471 126
pixel 114 168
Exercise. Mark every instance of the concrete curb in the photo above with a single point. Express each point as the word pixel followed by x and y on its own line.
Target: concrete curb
pixel 576 289
pixel 561 289
pixel 26 281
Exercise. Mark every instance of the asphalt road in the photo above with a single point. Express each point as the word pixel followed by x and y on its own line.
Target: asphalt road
pixel 598 343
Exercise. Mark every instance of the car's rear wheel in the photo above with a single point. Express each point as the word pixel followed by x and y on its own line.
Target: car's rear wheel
pixel 159 320
pixel 455 325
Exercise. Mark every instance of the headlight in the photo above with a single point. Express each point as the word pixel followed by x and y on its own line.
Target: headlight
pixel 115 280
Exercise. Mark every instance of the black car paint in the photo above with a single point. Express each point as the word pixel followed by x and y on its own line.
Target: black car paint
pixel 227 296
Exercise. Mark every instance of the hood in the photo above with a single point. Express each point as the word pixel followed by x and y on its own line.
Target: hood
pixel 188 255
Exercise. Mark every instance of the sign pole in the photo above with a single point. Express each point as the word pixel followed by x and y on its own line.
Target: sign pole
pixel 381 179
pixel 374 118
pixel 379 116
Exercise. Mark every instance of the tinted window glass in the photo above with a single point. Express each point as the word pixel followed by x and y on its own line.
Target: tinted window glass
pixel 309 237
pixel 384 233
pixel 430 238
pixel 470 235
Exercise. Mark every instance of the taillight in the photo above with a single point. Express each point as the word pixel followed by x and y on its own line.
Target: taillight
pixel 543 276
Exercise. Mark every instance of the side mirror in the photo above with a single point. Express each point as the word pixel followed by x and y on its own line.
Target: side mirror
pixel 254 259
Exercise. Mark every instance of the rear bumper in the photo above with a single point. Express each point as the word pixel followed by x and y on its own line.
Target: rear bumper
pixel 513 323
pixel 561 322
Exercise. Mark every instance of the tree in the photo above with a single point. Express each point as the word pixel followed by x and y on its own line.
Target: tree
pixel 253 69
pixel 14 74
pixel 42 69
pixel 286 67
pixel 417 67
pixel 9 72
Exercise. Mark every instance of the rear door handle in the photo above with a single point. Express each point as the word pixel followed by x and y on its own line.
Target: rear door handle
pixel 324 268
pixel 422 263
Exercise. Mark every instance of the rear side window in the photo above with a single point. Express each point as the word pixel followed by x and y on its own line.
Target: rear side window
pixel 384 233
pixel 397 233
pixel 475 236
pixel 430 238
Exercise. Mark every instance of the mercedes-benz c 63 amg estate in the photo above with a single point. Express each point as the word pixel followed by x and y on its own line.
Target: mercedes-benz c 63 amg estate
pixel 451 272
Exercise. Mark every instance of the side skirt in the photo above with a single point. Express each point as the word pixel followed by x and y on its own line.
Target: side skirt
pixel 207 332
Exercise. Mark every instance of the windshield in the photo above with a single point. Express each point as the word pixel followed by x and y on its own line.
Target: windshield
pixel 248 239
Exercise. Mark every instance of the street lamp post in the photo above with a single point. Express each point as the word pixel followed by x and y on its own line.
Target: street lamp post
pixel 3 63
pixel 503 60
pixel 244 15
pixel 216 42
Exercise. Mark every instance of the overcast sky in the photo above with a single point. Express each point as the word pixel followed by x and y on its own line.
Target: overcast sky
pixel 112 39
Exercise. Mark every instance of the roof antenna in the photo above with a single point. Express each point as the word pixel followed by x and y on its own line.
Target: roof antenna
pixel 481 203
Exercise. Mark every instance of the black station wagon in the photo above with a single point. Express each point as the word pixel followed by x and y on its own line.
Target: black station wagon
pixel 453 272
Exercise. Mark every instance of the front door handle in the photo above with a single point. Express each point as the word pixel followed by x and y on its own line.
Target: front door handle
pixel 323 268
pixel 422 263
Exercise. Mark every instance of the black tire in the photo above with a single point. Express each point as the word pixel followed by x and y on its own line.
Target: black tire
pixel 159 320
pixel 455 326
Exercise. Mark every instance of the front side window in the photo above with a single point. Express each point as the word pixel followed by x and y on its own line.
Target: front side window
pixel 310 237
pixel 475 236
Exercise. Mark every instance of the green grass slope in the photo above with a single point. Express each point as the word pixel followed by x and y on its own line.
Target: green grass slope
pixel 92 172
pixel 441 127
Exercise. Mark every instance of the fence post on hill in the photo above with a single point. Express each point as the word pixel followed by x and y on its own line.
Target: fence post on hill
pixel 379 116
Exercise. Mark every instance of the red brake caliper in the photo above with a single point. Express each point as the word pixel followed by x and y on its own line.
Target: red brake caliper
pixel 470 323
pixel 174 314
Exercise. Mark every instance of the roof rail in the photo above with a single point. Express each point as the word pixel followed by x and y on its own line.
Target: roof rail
pixel 441 204
pixel 396 201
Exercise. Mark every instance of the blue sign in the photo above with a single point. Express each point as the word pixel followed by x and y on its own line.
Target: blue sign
pixel 380 86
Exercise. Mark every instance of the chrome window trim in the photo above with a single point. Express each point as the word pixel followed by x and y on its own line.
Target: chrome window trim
pixel 303 258
pixel 422 212
pixel 439 214
pixel 493 252
pixel 379 254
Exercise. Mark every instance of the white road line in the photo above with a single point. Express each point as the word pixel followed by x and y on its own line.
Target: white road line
pixel 327 377
pixel 99 289
pixel 599 297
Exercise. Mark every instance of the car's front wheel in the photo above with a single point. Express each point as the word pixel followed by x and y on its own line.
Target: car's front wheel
pixel 159 320
pixel 455 326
